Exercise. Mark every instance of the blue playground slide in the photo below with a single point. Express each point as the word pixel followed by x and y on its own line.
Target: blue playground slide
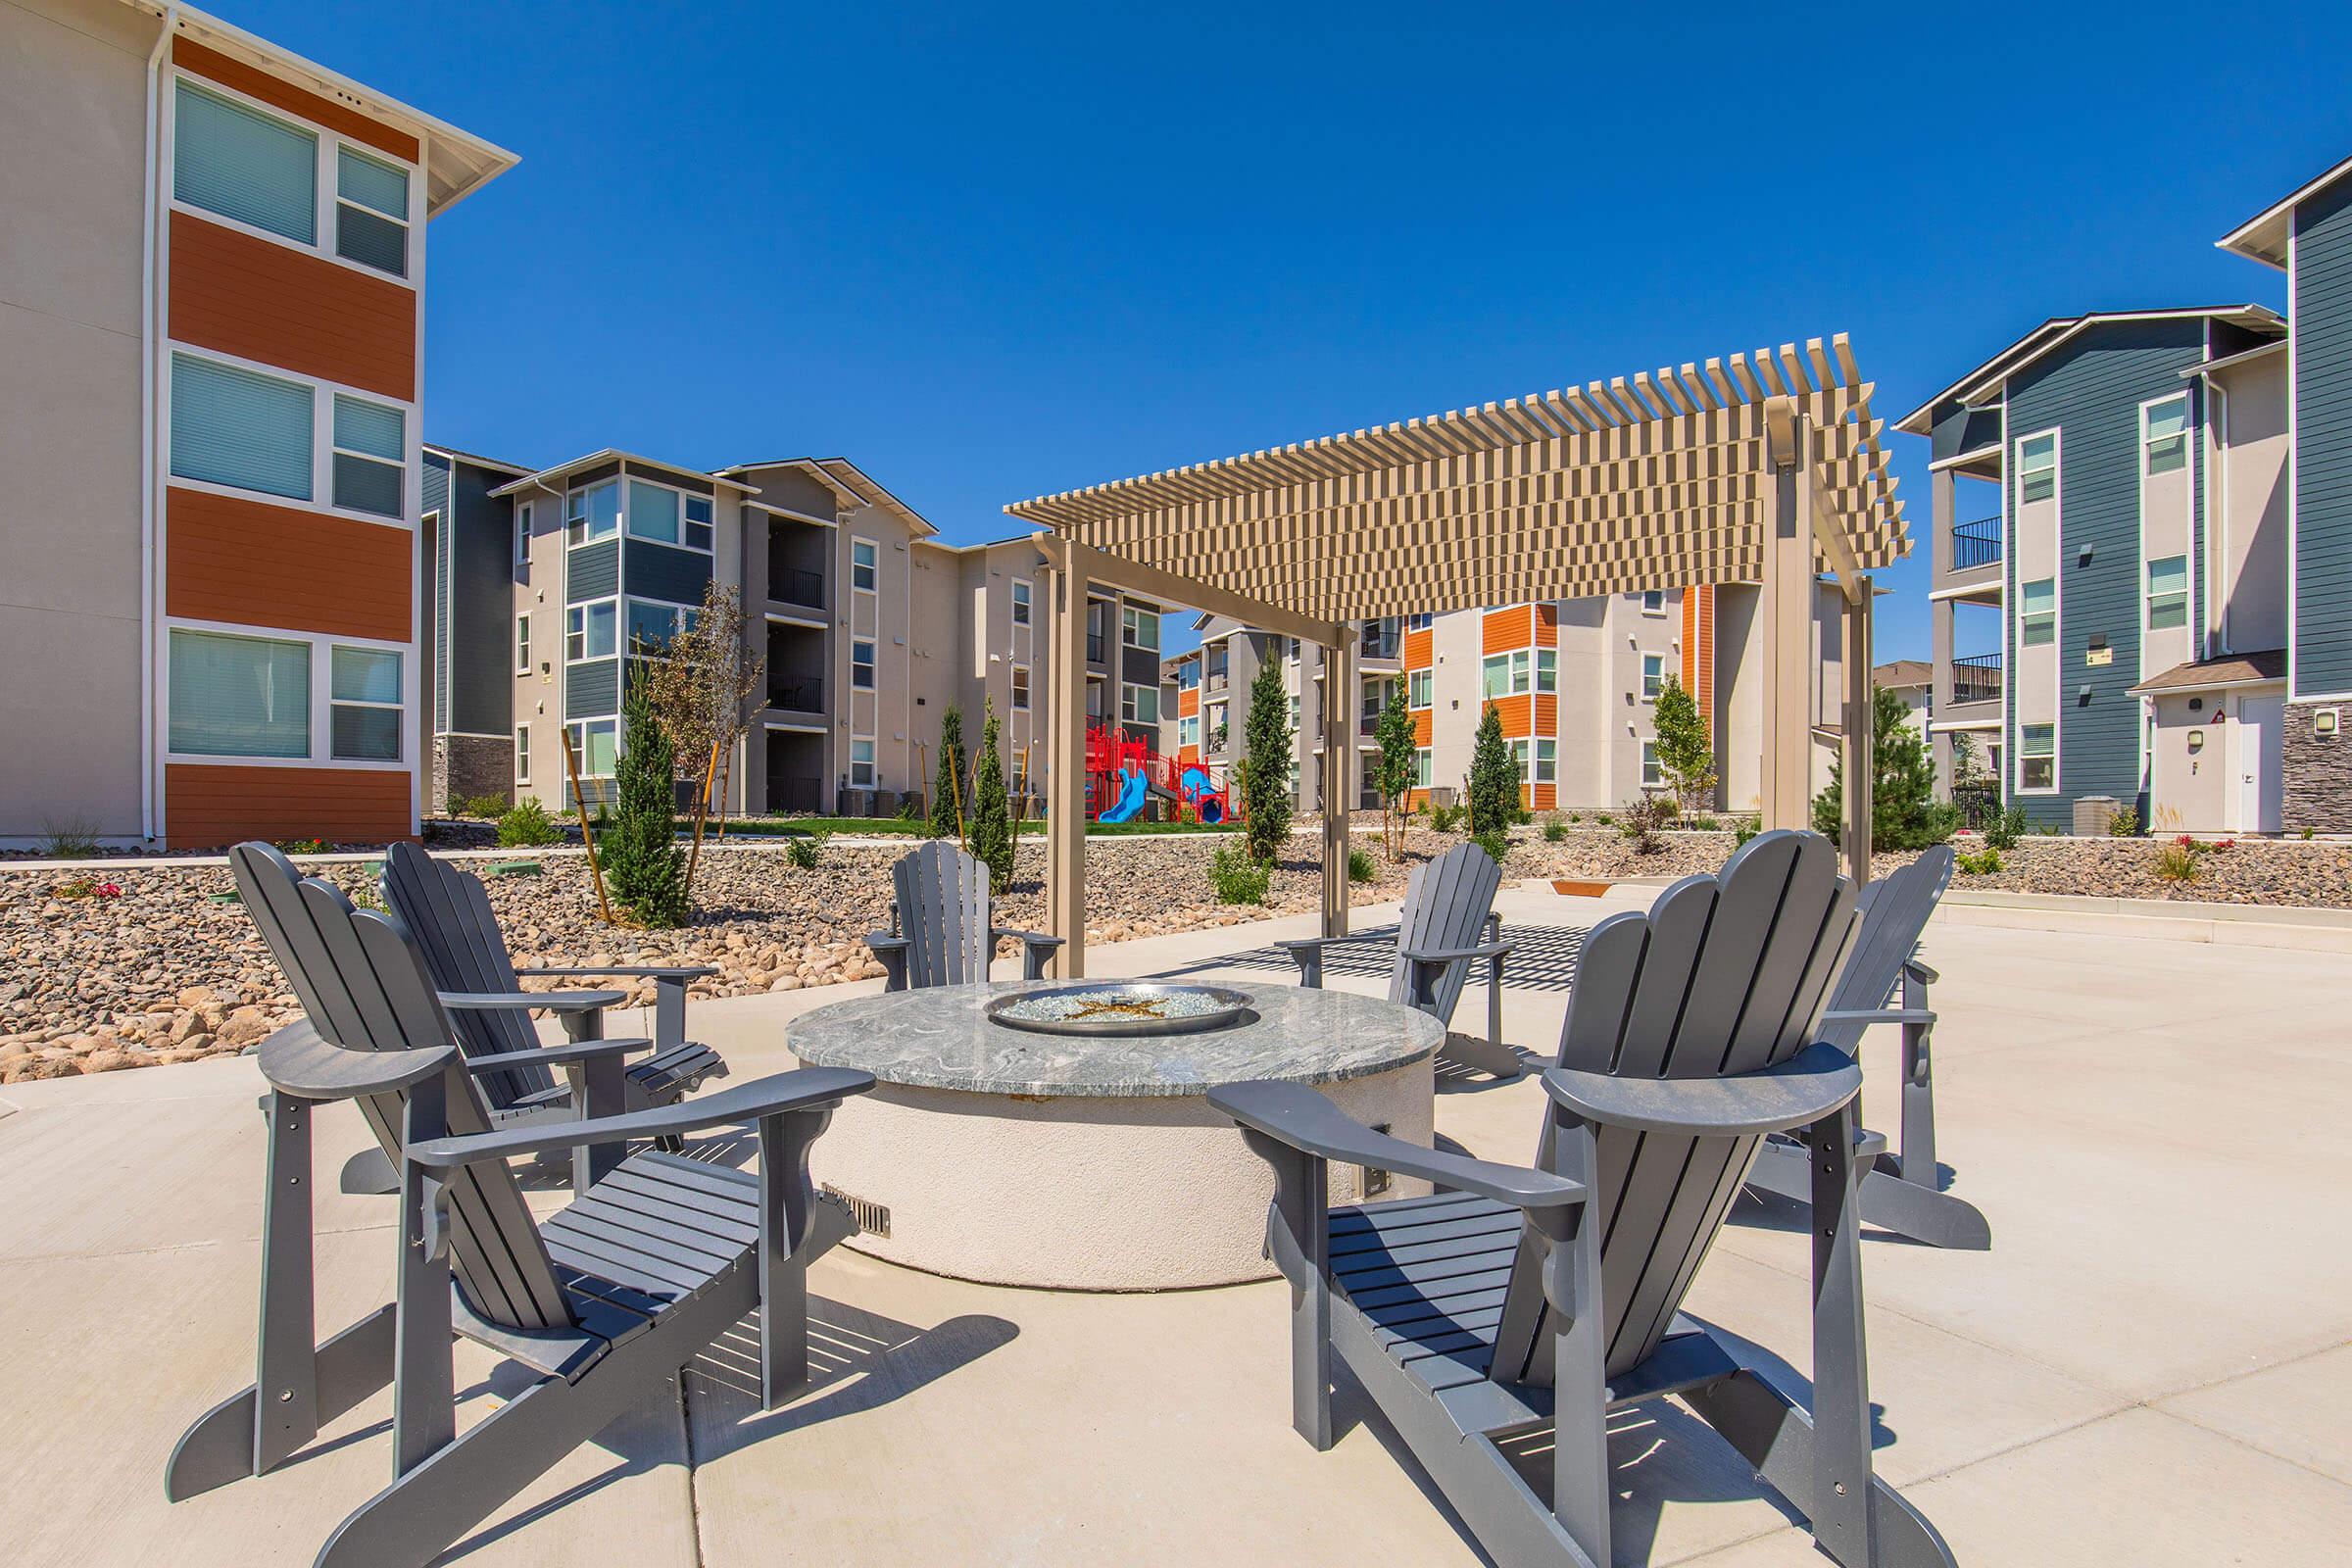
pixel 1132 793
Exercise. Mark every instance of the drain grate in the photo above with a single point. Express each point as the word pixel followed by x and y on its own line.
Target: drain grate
pixel 872 1219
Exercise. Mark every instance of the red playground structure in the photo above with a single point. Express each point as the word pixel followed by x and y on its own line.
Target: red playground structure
pixel 1123 773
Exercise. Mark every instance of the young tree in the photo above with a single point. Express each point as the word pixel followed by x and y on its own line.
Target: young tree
pixel 702 686
pixel 1685 757
pixel 643 869
pixel 1394 733
pixel 1493 786
pixel 1904 814
pixel 992 812
pixel 947 787
pixel 1266 780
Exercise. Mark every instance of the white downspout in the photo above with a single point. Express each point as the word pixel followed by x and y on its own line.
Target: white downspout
pixel 147 441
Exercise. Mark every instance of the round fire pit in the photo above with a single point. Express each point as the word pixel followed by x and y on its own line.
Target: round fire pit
pixel 1094 1162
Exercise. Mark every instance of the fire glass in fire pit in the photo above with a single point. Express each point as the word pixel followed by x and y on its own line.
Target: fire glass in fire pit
pixel 1120 1009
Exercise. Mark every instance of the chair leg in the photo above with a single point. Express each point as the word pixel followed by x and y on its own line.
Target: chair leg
pixel 787 1200
pixel 1841 1477
pixel 220 1446
pixel 1907 1209
pixel 370 1174
pixel 1299 1239
pixel 1580 1454
pixel 1485 1055
pixel 1915 1162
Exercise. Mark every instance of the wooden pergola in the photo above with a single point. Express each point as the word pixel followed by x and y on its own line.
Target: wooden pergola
pixel 1763 469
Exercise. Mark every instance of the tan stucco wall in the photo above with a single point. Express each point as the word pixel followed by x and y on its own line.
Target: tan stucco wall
pixel 72 109
pixel 2249 535
pixel 2189 791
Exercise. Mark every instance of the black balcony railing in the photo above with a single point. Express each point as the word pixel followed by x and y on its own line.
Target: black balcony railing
pixel 1976 544
pixel 802 693
pixel 1977 678
pixel 789 585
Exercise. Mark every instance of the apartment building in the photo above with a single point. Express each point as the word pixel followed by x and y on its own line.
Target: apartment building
pixel 209 614
pixel 1574 683
pixel 551 584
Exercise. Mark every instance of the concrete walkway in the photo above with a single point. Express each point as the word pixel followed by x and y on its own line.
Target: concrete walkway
pixel 2151 1366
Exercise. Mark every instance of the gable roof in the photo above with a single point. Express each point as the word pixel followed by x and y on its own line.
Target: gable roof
pixel 1975 387
pixel 2263 237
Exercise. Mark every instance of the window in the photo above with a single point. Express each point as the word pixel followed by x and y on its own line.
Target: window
pixel 1421 687
pixel 1020 603
pixel 1420 622
pixel 1140 629
pixel 2168 593
pixel 1139 705
pixel 522 533
pixel 239 696
pixel 589 630
pixel 864 562
pixel 1651 778
pixel 861 764
pixel 1547 669
pixel 595 746
pixel 1653 676
pixel 372 211
pixel 2037 756
pixel 523 645
pixel 653 512
pixel 2038 615
pixel 1548 762
pixel 1020 688
pixel 244 165
pixel 653 624
pixel 2164 436
pixel 1290 647
pixel 523 753
pixel 237 427
pixel 1653 602
pixel 1294 716
pixel 1188 675
pixel 862 664
pixel 595 512
pixel 700 531
pixel 2038 468
pixel 1422 768
pixel 370 461
pixel 1519 760
pixel 1505 674
pixel 1217 723
pixel 1188 730
pixel 364 705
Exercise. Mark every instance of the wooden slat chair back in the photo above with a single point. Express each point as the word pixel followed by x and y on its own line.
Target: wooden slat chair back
pixel 1896 909
pixel 1447 904
pixel 1724 975
pixel 449 914
pixel 943 911
pixel 363 982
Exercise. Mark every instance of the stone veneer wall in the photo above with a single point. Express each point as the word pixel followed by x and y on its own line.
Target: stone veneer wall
pixel 467 765
pixel 2317 792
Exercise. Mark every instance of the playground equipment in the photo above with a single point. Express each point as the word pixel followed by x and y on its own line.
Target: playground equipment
pixel 1123 774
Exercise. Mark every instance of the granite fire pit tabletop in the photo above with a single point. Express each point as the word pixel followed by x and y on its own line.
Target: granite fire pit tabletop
pixel 936 1038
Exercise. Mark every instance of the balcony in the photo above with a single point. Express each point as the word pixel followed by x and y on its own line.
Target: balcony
pixel 1380 641
pixel 800 693
pixel 1977 678
pixel 1976 544
pixel 1093 648
pixel 790 585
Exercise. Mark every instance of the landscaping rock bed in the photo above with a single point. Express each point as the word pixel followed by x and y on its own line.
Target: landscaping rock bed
pixel 161 972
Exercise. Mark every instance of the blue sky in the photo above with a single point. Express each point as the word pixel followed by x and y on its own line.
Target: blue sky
pixel 1011 250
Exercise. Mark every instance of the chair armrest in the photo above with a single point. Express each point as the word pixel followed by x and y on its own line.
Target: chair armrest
pixel 570 1053
pixel 296 1061
pixel 1034 939
pixel 891 951
pixel 881 940
pixel 1798 1092
pixel 1485 949
pixel 1295 1115
pixel 1296 945
pixel 1920 972
pixel 1868 1015
pixel 1036 949
pixel 805 1089
pixel 633 971
pixel 519 1000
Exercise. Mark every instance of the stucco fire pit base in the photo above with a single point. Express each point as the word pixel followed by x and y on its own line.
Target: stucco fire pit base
pixel 1084 1164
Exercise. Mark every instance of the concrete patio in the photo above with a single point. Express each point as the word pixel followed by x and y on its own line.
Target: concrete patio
pixel 2150 1366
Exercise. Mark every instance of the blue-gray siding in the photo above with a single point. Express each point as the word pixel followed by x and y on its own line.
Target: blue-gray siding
pixel 660 572
pixel 2092 391
pixel 592 572
pixel 592 690
pixel 2323 338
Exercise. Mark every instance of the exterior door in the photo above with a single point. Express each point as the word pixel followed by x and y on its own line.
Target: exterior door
pixel 2261 722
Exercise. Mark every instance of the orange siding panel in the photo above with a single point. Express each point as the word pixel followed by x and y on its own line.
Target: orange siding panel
pixel 259 300
pixel 254 82
pixel 206 806
pixel 1516 713
pixel 1698 651
pixel 1424 725
pixel 1188 701
pixel 1547 713
pixel 1506 629
pixel 1547 624
pixel 1545 797
pixel 1418 653
pixel 257 564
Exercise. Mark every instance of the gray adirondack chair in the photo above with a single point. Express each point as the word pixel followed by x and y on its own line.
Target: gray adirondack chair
pixel 601 1303
pixel 1511 1312
pixel 1449 923
pixel 940 933
pixel 448 911
pixel 1902 1190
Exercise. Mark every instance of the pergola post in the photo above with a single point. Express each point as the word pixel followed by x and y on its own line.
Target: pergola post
pixel 1339 748
pixel 1066 762
pixel 1789 586
pixel 1858 761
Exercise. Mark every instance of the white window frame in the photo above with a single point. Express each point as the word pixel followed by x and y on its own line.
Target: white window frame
pixel 524 516
pixel 321 717
pixel 325 186
pixel 1518 674
pixel 873 568
pixel 2025 616
pixel 578 729
pixel 576 527
pixel 873 764
pixel 2026 473
pixel 2023 756
pixel 522 642
pixel 1547 669
pixel 323 438
pixel 1131 628
pixel 1547 761
pixel 1128 705
pixel 1420 622
pixel 333 702
pixel 523 753
pixel 1188 730
pixel 1653 676
pixel 2147 443
pixel 408 444
pixel 2149 594
pixel 1653 601
pixel 630 479
pixel 1421 688
pixel 1024 601
pixel 1653 777
pixel 1019 700
pixel 1424 766
pixel 873 664
pixel 407 221
pixel 581 609
pixel 683 618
